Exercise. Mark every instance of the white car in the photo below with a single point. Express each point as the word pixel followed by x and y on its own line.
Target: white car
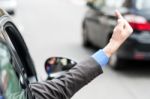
pixel 9 5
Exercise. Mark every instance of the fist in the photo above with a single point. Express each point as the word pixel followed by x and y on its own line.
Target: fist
pixel 121 32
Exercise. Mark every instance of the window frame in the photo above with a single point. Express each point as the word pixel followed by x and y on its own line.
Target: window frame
pixel 17 62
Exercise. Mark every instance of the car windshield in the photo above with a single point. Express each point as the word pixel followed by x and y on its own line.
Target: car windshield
pixel 98 3
pixel 142 4
pixel 10 87
pixel 110 3
pixel 139 4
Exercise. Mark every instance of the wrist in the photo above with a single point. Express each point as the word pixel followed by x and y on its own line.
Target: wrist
pixel 111 48
pixel 107 50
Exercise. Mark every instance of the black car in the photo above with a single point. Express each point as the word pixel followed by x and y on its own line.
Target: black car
pixel 100 20
pixel 17 69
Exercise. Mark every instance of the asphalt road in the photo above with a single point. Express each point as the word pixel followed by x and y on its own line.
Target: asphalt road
pixel 53 28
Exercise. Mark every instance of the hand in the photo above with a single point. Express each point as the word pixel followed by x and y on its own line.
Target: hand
pixel 121 32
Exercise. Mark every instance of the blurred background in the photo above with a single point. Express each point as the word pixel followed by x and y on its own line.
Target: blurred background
pixel 77 28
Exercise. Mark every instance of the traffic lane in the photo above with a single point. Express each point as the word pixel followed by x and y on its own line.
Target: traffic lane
pixel 58 34
pixel 137 74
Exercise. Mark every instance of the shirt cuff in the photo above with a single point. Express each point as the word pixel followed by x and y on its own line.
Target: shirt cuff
pixel 101 58
pixel 1 97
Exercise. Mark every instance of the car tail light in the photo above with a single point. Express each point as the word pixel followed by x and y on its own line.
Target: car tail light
pixel 138 56
pixel 138 22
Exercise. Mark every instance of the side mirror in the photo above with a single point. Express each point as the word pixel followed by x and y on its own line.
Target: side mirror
pixel 56 66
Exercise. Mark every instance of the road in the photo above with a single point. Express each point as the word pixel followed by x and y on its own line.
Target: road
pixel 53 28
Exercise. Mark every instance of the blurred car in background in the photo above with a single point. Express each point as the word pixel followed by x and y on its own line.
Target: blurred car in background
pixel 100 20
pixel 9 5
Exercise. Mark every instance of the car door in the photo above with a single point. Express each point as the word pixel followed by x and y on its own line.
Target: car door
pixel 94 28
pixel 13 37
pixel 13 82
pixel 107 20
pixel 100 22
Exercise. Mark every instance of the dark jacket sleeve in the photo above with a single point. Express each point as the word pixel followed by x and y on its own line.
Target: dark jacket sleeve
pixel 67 85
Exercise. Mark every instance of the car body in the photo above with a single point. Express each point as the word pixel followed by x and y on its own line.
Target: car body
pixel 9 5
pixel 100 21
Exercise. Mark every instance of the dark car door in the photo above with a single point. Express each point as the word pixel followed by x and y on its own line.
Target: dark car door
pixel 107 20
pixel 100 21
pixel 94 28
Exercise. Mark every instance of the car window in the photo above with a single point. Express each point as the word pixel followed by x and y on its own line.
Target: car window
pixel 114 3
pixel 139 4
pixel 142 4
pixel 108 3
pixel 10 79
pixel 118 3
pixel 98 3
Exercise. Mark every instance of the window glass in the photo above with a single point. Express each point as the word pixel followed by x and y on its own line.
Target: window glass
pixel 98 3
pixel 109 3
pixel 10 86
pixel 142 4
pixel 114 3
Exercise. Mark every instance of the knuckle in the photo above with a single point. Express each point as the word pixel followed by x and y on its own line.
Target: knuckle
pixel 131 30
pixel 114 30
pixel 118 29
pixel 120 20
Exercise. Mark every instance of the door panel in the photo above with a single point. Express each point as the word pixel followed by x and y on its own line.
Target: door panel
pixel 108 22
pixel 93 30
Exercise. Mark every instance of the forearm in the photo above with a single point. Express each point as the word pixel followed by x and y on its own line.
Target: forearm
pixel 67 85
pixel 111 48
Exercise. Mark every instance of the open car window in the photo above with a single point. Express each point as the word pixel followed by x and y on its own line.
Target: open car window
pixel 10 80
